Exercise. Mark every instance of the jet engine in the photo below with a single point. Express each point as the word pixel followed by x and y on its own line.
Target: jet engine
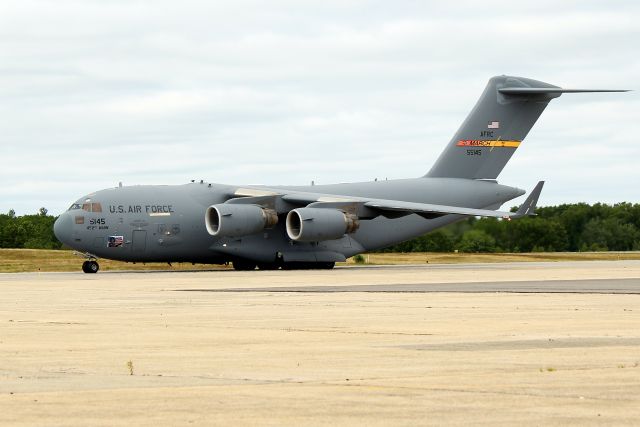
pixel 317 224
pixel 231 220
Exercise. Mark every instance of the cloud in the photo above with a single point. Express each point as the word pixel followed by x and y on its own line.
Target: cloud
pixel 95 92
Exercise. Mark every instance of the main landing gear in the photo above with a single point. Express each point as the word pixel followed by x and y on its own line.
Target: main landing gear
pixel 308 265
pixel 244 265
pixel 247 265
pixel 90 267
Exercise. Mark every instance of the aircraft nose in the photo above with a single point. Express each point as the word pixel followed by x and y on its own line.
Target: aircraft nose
pixel 62 228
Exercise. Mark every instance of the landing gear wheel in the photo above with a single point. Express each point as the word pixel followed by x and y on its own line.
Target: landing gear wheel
pixel 308 265
pixel 297 265
pixel 90 267
pixel 243 265
pixel 326 265
pixel 292 266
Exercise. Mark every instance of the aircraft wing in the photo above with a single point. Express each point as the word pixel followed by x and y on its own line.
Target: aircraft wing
pixel 396 208
pixel 432 211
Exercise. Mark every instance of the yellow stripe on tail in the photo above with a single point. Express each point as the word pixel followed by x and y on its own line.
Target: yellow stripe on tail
pixel 484 143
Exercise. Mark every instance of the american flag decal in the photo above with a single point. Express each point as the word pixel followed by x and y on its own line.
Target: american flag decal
pixel 115 241
pixel 493 125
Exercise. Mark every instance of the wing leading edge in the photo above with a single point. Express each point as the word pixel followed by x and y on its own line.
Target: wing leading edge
pixel 371 208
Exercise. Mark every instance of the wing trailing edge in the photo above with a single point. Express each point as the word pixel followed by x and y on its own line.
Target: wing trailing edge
pixel 526 209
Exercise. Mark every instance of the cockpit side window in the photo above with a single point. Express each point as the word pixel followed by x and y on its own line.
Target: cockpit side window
pixel 89 207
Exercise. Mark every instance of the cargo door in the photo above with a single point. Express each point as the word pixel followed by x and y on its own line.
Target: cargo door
pixel 139 241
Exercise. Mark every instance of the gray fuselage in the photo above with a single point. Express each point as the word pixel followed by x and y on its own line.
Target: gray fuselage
pixel 166 222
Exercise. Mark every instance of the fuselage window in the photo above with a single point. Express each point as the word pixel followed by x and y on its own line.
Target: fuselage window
pixel 86 207
pixel 175 228
pixel 75 206
pixel 96 207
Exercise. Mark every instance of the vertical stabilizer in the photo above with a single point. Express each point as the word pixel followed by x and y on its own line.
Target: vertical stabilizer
pixel 495 128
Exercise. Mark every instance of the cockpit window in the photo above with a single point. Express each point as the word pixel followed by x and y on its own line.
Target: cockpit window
pixel 89 207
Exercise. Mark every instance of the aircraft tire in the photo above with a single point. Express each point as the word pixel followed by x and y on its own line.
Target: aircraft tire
pixel 268 266
pixel 295 266
pixel 326 265
pixel 244 265
pixel 90 267
pixel 308 265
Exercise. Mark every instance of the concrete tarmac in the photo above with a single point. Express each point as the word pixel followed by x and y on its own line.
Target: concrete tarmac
pixel 530 343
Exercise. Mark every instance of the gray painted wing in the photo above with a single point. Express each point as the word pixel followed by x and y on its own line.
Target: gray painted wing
pixel 424 209
pixel 526 209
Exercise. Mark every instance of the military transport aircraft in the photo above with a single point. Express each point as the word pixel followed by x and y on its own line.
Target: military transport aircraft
pixel 315 226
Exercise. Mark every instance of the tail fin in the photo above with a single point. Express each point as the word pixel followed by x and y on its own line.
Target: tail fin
pixel 501 119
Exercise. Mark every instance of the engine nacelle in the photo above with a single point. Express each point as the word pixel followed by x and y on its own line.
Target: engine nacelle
pixel 318 224
pixel 231 220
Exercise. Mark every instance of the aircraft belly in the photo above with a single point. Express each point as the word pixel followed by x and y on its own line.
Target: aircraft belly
pixel 274 243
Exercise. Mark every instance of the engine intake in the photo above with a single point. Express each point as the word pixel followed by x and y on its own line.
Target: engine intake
pixel 318 224
pixel 231 220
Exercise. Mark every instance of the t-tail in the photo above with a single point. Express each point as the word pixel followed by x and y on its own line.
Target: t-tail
pixel 499 122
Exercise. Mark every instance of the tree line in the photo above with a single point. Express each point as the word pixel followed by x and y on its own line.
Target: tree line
pixel 567 227
pixel 28 231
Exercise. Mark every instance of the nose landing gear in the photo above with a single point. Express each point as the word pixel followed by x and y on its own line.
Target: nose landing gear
pixel 90 267
pixel 91 263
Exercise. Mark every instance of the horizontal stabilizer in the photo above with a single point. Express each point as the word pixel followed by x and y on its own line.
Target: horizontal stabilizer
pixel 542 90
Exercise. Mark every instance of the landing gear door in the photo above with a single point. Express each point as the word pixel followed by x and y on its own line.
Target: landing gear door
pixel 139 241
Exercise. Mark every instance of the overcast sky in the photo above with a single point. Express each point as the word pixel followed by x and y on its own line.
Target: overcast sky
pixel 285 92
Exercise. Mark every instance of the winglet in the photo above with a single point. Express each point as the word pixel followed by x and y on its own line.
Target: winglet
pixel 528 208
